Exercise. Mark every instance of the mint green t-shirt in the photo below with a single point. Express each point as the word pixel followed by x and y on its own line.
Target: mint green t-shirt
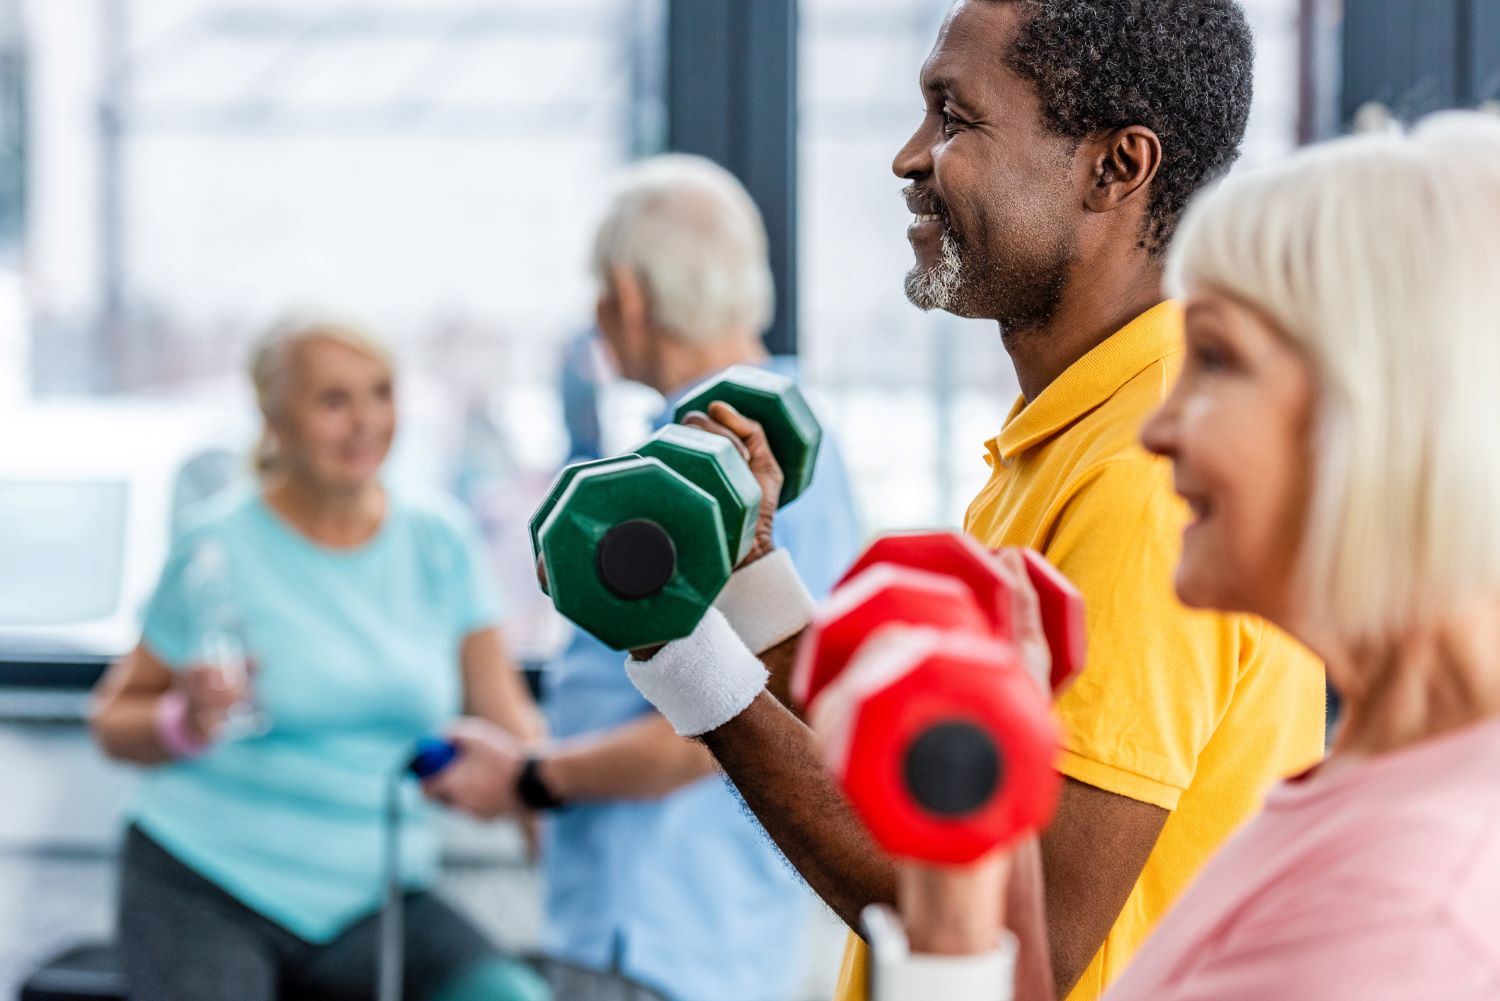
pixel 356 655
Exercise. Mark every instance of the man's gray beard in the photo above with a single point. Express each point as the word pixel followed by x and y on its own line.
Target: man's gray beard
pixel 937 287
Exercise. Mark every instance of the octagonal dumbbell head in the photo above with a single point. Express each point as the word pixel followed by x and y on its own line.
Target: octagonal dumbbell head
pixel 634 553
pixel 882 596
pixel 958 555
pixel 943 745
pixel 775 402
pixel 555 492
pixel 712 463
pixel 951 554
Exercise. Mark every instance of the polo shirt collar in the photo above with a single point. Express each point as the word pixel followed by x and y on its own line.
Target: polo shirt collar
pixel 1090 381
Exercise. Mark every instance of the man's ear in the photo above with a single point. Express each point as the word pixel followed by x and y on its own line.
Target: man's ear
pixel 629 298
pixel 1121 165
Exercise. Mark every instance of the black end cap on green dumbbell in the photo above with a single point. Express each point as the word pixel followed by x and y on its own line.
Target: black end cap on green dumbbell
pixel 635 553
pixel 778 405
pixel 635 559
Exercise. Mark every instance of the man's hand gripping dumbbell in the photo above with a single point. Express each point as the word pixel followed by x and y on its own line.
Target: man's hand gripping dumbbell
pixel 639 549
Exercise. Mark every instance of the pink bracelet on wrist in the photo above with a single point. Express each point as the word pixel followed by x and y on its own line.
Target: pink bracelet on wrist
pixel 172 727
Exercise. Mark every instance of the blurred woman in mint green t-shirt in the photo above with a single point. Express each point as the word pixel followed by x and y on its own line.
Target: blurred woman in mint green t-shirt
pixel 367 618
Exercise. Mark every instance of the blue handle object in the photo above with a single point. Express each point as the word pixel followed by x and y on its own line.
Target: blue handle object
pixel 433 754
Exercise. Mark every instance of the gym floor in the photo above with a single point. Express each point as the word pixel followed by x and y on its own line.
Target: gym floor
pixel 60 808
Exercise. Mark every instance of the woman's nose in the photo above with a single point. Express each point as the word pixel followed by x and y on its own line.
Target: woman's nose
pixel 370 413
pixel 1159 433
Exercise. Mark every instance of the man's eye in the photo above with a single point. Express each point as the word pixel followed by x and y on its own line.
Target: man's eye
pixel 951 123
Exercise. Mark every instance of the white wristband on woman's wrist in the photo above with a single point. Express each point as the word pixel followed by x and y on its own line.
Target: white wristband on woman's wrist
pixel 897 974
pixel 703 680
pixel 766 601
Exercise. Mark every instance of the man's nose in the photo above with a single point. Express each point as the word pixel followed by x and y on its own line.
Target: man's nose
pixel 914 160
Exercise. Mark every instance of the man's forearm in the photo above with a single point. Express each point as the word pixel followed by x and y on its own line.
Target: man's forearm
pixel 779 661
pixel 769 754
pixel 775 763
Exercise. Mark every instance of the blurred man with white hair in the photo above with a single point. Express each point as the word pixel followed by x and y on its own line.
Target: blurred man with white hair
pixel 654 867
pixel 685 283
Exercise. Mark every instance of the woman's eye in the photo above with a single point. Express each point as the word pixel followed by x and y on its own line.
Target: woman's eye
pixel 1209 358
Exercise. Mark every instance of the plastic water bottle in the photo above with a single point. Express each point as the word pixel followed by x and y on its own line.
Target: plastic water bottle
pixel 221 637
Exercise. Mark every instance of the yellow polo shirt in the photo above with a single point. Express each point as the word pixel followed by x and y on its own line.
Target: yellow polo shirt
pixel 1195 712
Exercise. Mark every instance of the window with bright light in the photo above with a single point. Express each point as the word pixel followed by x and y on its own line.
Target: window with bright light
pixel 62 546
pixel 433 169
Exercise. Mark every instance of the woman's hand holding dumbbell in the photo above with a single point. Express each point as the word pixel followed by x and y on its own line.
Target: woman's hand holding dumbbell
pixel 928 676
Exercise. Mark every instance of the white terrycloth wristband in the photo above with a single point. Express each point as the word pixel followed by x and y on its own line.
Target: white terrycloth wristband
pixel 766 601
pixel 897 974
pixel 703 680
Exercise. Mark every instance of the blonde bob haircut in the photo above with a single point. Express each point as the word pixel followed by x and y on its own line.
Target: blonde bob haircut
pixel 1379 258
pixel 273 362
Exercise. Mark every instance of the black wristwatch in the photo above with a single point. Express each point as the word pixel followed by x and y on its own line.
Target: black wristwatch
pixel 531 790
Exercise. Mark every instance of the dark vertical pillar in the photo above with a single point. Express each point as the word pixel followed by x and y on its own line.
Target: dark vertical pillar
pixel 731 96
pixel 1307 70
pixel 1479 49
pixel 1419 57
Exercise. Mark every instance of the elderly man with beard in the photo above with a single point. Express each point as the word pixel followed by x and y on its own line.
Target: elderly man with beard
pixel 1060 141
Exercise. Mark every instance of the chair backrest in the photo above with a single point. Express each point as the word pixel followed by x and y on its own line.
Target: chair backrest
pixel 89 972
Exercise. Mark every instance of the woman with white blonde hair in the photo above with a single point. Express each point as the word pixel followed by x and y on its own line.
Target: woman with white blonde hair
pixel 1333 433
pixel 253 866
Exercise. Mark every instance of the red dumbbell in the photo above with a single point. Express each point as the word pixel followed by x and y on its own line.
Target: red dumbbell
pixel 942 743
pixel 882 596
pixel 961 557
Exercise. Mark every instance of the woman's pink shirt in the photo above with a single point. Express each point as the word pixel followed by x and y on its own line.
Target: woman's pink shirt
pixel 1380 882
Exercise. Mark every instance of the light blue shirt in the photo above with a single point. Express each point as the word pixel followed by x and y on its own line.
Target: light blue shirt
pixel 685 893
pixel 356 655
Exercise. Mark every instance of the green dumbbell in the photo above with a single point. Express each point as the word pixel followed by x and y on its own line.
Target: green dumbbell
pixel 635 576
pixel 711 462
pixel 634 552
pixel 555 492
pixel 778 405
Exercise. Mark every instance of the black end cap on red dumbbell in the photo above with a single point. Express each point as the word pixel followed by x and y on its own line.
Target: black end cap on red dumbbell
pixel 636 559
pixel 953 768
